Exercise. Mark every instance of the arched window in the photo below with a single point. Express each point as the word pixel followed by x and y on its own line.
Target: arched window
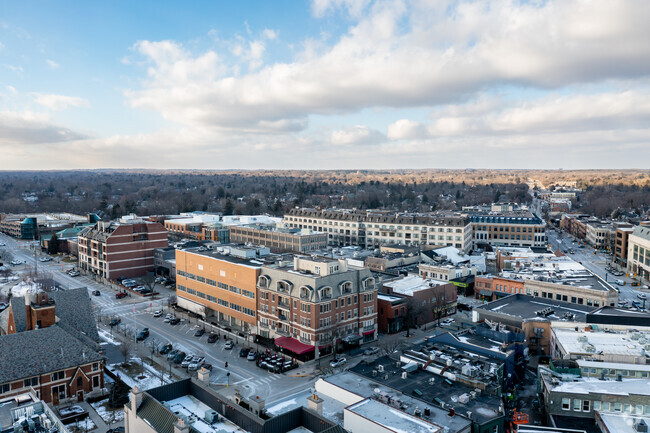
pixel 346 287
pixel 263 282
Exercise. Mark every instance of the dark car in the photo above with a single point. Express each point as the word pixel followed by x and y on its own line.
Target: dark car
pixel 172 353
pixel 116 430
pixel 174 321
pixel 207 366
pixel 96 292
pixel 114 321
pixel 142 335
pixel 165 348
pixel 120 295
pixel 212 338
pixel 243 352
pixel 199 332
pixel 179 357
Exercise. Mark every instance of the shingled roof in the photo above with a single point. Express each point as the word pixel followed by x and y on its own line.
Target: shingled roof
pixel 75 312
pixel 20 313
pixel 31 353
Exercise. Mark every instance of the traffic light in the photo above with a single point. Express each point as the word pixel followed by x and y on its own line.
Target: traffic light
pixel 226 364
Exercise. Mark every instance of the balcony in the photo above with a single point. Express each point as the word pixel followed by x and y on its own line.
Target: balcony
pixel 283 318
pixel 283 332
pixel 305 340
pixel 264 325
pixel 369 328
pixel 283 305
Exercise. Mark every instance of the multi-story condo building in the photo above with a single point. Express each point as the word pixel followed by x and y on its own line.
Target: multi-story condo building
pixel 278 238
pixel 620 243
pixel 512 228
pixel 600 234
pixel 124 248
pixel 370 229
pixel 221 285
pixel 638 252
pixel 313 303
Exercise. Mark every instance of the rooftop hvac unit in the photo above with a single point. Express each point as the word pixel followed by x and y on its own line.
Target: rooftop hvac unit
pixel 380 368
pixel 404 375
pixel 211 416
pixel 374 373
pixel 432 380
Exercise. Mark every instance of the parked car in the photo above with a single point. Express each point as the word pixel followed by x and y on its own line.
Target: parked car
pixel 229 345
pixel 172 354
pixel 243 352
pixel 45 259
pixel 179 357
pixel 114 321
pixel 157 313
pixel 116 430
pixel 120 295
pixel 199 332
pixel 337 362
pixel 207 367
pixel 142 335
pixel 371 351
pixel 164 348
pixel 641 296
pixel 212 338
pixel 174 321
pixel 196 363
pixel 96 293
pixel 252 355
pixel 186 362
pixel 74 273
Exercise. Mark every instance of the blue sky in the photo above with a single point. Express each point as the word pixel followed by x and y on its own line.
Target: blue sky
pixel 324 84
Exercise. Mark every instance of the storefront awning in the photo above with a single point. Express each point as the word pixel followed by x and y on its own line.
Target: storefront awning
pixel 352 338
pixel 484 292
pixel 369 332
pixel 293 345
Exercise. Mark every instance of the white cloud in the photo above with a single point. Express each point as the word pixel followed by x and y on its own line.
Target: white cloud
pixel 358 134
pixel 269 34
pixel 30 128
pixel 352 7
pixel 403 55
pixel 52 64
pixel 405 129
pixel 59 102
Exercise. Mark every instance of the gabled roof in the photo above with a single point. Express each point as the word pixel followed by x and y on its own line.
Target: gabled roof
pixel 157 415
pixel 41 351
pixel 20 313
pixel 75 313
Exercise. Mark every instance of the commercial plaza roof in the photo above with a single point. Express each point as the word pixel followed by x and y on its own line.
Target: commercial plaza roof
pixel 527 306
pixel 392 418
pixel 411 284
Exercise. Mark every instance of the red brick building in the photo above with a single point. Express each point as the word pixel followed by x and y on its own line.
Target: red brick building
pixel 391 317
pixel 430 299
pixel 489 287
pixel 122 248
pixel 48 345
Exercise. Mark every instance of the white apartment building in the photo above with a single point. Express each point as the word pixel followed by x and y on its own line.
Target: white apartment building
pixel 638 252
pixel 371 229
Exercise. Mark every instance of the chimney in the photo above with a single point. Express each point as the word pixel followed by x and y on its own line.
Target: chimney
pixel 136 398
pixel 180 427
pixel 315 403
pixel 28 312
pixel 204 376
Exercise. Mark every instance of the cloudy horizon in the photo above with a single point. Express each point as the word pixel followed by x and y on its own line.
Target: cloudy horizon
pixel 325 84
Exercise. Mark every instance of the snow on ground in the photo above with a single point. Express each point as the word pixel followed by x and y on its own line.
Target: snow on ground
pixel 83 425
pixel 108 415
pixel 106 336
pixel 150 375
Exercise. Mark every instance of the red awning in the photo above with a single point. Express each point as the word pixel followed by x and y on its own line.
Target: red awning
pixel 293 345
pixel 369 332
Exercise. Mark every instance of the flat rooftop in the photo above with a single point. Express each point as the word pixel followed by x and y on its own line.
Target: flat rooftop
pixel 602 343
pixel 389 298
pixel 391 418
pixel 526 307
pixel 193 410
pixel 411 284
pixel 434 388
pixel 371 387
pixel 621 423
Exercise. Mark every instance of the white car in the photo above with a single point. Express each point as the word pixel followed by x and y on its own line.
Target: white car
pixel 196 363
pixel 447 321
pixel 157 313
pixel 337 362
pixel 371 351
pixel 641 296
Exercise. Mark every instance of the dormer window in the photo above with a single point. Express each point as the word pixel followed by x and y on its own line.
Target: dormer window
pixel 305 292
pixel 346 287
pixel 326 292
pixel 263 282
pixel 283 286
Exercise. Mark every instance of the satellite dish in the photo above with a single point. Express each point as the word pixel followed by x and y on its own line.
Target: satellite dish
pixel 377 390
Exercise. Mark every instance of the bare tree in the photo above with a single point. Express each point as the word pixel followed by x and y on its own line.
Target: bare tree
pixel 389 345
pixel 125 349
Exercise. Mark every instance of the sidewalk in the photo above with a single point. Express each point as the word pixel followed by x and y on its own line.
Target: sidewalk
pixel 101 426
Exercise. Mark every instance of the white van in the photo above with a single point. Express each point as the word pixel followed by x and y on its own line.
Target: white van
pixel 620 282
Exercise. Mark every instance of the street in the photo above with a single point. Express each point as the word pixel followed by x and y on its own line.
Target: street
pixel 596 263
pixel 137 313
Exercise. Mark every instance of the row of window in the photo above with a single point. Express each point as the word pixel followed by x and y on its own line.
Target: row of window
pixel 214 283
pixel 215 300
pixel 577 405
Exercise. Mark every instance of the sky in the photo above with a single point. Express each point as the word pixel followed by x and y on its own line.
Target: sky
pixel 326 84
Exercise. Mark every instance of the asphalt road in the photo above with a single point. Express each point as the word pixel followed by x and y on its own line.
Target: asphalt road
pixel 596 263
pixel 136 313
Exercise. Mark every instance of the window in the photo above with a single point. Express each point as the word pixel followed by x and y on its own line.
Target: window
pixel 576 405
pixel 586 405
pixel 606 406
pixel 5 387
pixel 80 382
pixel 31 382
pixel 617 407
pixel 57 376
pixel 96 366
pixel 597 405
